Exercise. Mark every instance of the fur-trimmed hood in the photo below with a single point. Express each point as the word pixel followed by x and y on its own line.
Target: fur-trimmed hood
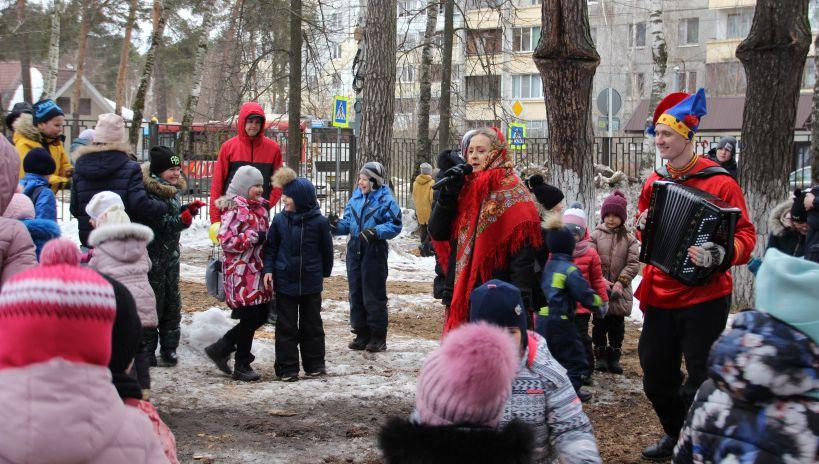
pixel 130 239
pixel 156 186
pixel 404 442
pixel 101 147
pixel 24 125
pixel 775 224
pixel 224 203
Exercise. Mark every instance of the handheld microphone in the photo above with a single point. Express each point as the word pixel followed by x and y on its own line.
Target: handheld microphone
pixel 453 173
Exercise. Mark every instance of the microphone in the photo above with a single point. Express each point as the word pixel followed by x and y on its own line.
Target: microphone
pixel 453 173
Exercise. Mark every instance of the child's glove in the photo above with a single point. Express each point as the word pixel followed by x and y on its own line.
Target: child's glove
pixel 602 310
pixel 333 218
pixel 194 207
pixel 186 218
pixel 368 235
pixel 708 255
pixel 262 236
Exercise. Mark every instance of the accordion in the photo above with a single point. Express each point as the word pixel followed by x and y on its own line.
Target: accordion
pixel 680 217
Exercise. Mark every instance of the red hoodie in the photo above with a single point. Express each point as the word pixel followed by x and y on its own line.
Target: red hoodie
pixel 260 152
pixel 659 289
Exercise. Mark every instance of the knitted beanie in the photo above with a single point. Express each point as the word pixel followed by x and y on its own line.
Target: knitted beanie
pixel 110 129
pixel 785 288
pixel 498 303
pixel 299 189
pixel 376 172
pixel 58 309
pixel 468 379
pixel 615 204
pixel 44 111
pixel 101 202
pixel 20 207
pixel 426 168
pixel 575 220
pixel 245 177
pixel 127 332
pixel 163 158
pixel 798 211
pixel 559 239
pixel 39 161
pixel 547 195
pixel 729 144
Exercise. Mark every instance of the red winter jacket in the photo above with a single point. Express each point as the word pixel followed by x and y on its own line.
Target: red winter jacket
pixel 587 260
pixel 659 289
pixel 261 152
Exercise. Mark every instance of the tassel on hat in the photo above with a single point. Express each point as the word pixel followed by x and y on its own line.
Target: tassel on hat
pixel 680 111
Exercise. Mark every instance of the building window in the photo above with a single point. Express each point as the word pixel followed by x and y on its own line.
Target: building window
pixel 483 87
pixel 335 51
pixel 524 39
pixel 738 25
pixel 477 4
pixel 639 84
pixel 813 14
pixel 407 7
pixel 536 128
pixel 688 31
pixel 529 2
pixel 479 123
pixel 65 104
pixel 637 35
pixel 483 41
pixel 809 78
pixel 686 81
pixel 406 73
pixel 335 21
pixel 527 86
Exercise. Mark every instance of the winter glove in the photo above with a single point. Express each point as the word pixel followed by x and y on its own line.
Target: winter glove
pixel 333 218
pixel 754 264
pixel 454 186
pixel 641 220
pixel 262 236
pixel 368 235
pixel 709 255
pixel 194 207
pixel 186 218
pixel 602 310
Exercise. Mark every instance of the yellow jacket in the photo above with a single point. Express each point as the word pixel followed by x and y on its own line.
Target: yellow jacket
pixel 26 137
pixel 422 196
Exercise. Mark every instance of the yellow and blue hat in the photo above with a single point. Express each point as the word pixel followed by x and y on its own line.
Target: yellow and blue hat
pixel 680 111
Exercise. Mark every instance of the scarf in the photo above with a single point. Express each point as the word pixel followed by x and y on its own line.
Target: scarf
pixel 496 218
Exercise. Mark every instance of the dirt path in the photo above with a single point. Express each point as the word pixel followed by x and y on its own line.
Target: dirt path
pixel 336 419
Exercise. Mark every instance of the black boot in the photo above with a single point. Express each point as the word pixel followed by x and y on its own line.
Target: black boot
pixel 151 338
pixel 169 358
pixel 601 355
pixel 152 359
pixel 614 361
pixel 661 450
pixel 362 338
pixel 244 373
pixel 583 395
pixel 219 353
pixel 378 341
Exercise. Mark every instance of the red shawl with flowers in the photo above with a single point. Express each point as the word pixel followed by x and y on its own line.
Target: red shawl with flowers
pixel 496 218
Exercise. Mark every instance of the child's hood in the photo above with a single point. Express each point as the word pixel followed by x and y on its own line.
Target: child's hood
pixel 101 160
pixel 123 242
pixel 158 187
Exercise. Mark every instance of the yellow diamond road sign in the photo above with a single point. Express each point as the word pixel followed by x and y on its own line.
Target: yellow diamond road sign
pixel 517 108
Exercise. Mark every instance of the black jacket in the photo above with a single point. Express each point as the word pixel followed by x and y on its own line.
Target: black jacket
pixel 730 165
pixel 109 167
pixel 406 443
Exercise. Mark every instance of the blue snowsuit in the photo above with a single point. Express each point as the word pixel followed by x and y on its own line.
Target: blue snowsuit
pixel 367 261
pixel 36 187
pixel 564 286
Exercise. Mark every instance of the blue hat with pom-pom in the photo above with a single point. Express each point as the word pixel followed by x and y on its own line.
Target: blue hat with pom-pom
pixel 680 111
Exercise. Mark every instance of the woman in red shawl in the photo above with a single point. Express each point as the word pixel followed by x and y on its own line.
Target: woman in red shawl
pixel 485 226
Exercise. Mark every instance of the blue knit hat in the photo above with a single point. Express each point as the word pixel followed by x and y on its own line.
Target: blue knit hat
pixel 786 288
pixel 680 111
pixel 498 303
pixel 44 111
pixel 39 161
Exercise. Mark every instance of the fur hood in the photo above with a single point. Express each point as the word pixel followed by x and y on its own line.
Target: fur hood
pixel 156 187
pixel 775 224
pixel 225 203
pixel 405 442
pixel 120 232
pixel 100 147
pixel 24 125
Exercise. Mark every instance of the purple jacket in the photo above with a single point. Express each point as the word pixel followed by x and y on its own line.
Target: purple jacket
pixel 63 412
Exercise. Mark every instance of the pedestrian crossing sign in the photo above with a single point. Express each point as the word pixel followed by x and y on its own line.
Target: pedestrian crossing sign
pixel 340 113
pixel 517 136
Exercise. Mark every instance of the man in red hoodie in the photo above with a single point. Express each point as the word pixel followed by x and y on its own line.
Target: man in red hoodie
pixel 681 320
pixel 249 146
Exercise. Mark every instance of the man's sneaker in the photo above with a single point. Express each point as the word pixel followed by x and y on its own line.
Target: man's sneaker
pixel 288 378
pixel 319 373
pixel 662 450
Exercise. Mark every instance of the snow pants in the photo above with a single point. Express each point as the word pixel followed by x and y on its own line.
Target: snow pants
pixel 241 335
pixel 367 279
pixel 669 335
pixel 299 328
pixel 581 323
pixel 565 345
pixel 165 283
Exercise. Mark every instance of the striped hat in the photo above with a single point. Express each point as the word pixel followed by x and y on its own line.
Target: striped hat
pixel 56 310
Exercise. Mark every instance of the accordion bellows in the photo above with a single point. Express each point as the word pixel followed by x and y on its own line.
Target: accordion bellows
pixel 680 217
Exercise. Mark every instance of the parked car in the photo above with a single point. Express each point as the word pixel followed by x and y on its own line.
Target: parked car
pixel 800 178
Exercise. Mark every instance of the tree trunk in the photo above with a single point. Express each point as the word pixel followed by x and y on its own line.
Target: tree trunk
pixel 76 91
pixel 773 55
pixel 659 54
pixel 227 67
pixel 445 101
pixel 294 88
pixel 50 84
pixel 379 82
pixel 25 54
pixel 160 85
pixel 119 100
pixel 567 60
pixel 814 125
pixel 158 16
pixel 423 146
pixel 196 81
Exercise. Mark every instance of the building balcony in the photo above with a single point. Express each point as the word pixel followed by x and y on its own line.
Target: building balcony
pixel 723 4
pixel 719 51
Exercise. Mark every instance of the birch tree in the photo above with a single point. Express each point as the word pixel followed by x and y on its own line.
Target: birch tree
pixel 50 84
pixel 773 55
pixel 445 101
pixel 158 22
pixel 659 55
pixel 424 144
pixel 196 80
pixel 119 99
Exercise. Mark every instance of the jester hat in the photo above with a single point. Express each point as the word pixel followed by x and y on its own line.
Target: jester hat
pixel 681 112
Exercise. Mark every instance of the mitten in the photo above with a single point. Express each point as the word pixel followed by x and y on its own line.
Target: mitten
pixel 368 235
pixel 186 218
pixel 708 255
pixel 194 207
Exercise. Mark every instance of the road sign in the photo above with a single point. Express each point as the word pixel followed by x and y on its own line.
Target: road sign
pixel 517 136
pixel 517 108
pixel 341 105
pixel 603 102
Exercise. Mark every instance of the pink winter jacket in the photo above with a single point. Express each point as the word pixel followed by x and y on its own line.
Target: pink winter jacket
pixel 242 221
pixel 16 247
pixel 121 252
pixel 61 412
pixel 161 430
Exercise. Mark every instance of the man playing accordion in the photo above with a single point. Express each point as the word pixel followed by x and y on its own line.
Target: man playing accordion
pixel 682 320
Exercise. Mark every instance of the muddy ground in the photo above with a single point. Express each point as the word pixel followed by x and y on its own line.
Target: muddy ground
pixel 336 419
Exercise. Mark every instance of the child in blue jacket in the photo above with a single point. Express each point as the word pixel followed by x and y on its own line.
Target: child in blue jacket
pixel 371 217
pixel 564 286
pixel 298 256
pixel 38 165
